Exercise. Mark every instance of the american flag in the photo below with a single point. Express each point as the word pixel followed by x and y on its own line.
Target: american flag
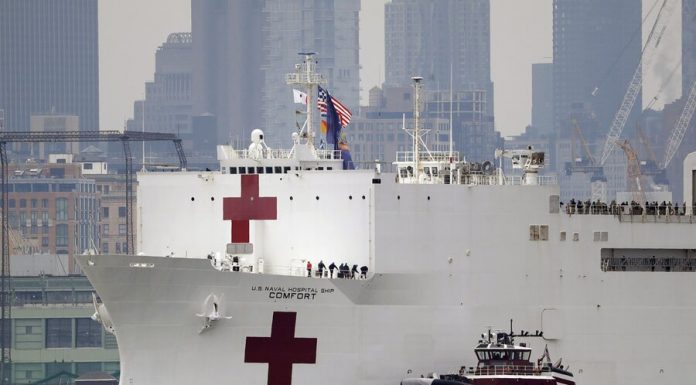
pixel 343 112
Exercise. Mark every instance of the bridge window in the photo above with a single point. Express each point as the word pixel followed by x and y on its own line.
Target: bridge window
pixel 286 169
pixel 259 170
pixel 278 170
pixel 242 170
pixel 233 170
pixel 269 170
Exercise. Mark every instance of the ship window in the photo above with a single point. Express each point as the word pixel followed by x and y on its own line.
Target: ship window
pixel 434 171
pixel 242 170
pixel 403 173
pixel 525 355
pixel 563 235
pixel 286 169
pixel 533 232
pixel 259 170
pixel 320 168
pixel 544 232
pixel 596 236
pixel 576 237
pixel 251 170
pixel 233 170
pixel 329 168
pixel 278 170
pixel 269 170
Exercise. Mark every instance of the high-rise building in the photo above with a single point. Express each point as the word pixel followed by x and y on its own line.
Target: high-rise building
pixel 168 97
pixel 436 38
pixel 447 42
pixel 688 45
pixel 596 49
pixel 49 61
pixel 243 49
pixel 542 98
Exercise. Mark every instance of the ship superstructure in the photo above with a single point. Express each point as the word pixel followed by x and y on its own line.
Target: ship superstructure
pixel 219 289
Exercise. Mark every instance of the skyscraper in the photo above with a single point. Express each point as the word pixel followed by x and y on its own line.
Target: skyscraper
pixel 596 49
pixel 49 61
pixel 542 98
pixel 244 48
pixel 438 38
pixel 168 98
pixel 688 45
pixel 433 38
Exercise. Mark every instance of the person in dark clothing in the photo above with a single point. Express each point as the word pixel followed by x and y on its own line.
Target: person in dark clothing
pixel 322 267
pixel 354 272
pixel 363 272
pixel 332 267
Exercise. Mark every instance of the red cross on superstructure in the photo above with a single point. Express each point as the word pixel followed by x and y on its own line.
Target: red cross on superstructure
pixel 281 350
pixel 247 207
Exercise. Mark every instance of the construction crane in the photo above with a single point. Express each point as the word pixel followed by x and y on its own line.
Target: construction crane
pixel 634 87
pixel 633 172
pixel 677 135
pixel 577 131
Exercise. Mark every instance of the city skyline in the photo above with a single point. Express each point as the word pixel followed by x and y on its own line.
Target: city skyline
pixel 520 36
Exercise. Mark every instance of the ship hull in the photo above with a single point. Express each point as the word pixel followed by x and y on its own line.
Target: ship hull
pixel 372 331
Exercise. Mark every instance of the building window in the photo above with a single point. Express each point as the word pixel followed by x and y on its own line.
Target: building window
pixel 105 230
pixel 121 229
pixel 105 212
pixel 59 332
pixel 121 212
pixel 88 333
pixel 105 248
pixel 44 203
pixel 22 203
pixel 62 235
pixel 62 209
pixel 12 203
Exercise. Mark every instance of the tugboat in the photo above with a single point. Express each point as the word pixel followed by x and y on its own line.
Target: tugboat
pixel 502 362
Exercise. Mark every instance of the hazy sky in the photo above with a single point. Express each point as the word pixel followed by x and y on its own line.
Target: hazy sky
pixel 521 34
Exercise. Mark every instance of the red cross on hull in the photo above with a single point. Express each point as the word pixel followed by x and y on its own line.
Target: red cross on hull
pixel 281 350
pixel 247 207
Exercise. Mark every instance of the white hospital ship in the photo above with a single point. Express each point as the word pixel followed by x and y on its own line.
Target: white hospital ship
pixel 219 292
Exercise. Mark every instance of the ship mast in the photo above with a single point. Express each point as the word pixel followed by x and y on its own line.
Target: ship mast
pixel 306 77
pixel 416 135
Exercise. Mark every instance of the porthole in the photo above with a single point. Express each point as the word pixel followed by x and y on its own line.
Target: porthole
pixel 290 198
pixel 350 197
pixel 193 199
pixel 398 197
pixel 317 197
pixel 212 199
pixel 363 197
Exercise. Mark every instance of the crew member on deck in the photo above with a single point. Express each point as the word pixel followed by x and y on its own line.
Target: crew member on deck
pixel 363 272
pixel 332 267
pixel 354 272
pixel 322 267
pixel 309 268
